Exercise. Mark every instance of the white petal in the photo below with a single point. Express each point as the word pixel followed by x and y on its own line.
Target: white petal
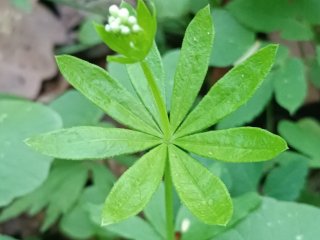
pixel 132 20
pixel 124 30
pixel 124 14
pixel 136 28
pixel 107 28
pixel 114 10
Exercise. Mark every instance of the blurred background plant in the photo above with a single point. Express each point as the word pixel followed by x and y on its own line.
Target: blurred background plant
pixel 43 198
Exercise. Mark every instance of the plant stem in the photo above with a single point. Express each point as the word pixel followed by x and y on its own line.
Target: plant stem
pixel 165 125
pixel 168 202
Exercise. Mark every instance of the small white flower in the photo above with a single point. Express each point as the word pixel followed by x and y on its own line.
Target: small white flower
pixel 185 225
pixel 136 28
pixel 124 14
pixel 114 10
pixel 132 20
pixel 115 26
pixel 121 21
pixel 124 30
pixel 107 28
pixel 111 19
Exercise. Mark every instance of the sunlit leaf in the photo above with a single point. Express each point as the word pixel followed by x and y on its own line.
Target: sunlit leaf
pixel 230 92
pixel 97 85
pixel 201 192
pixel 80 143
pixel 134 189
pixel 244 144
pixel 192 66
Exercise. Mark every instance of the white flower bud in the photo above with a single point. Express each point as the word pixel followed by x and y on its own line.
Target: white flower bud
pixel 124 30
pixel 114 10
pixel 124 14
pixel 136 28
pixel 115 26
pixel 132 20
pixel 107 28
pixel 111 19
pixel 185 225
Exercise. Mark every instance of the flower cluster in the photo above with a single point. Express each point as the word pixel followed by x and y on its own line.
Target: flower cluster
pixel 120 21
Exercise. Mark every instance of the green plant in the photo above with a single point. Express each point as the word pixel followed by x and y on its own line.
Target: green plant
pixel 144 108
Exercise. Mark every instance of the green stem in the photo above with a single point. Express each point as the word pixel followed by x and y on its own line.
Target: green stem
pixel 169 201
pixel 165 124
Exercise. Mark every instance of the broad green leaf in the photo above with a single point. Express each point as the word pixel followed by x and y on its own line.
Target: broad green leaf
pixel 244 177
pixel 252 109
pixel 155 212
pixel 76 110
pixel 22 170
pixel 292 19
pixel 65 177
pixel 170 61
pixel 303 136
pixel 177 9
pixel 87 34
pixel 97 85
pixel 252 13
pixel 77 224
pixel 279 221
pixel 245 144
pixel 80 143
pixel 243 205
pixel 192 66
pixel 231 42
pixel 134 228
pixel 230 92
pixel 140 82
pixel 201 192
pixel 119 72
pixel 134 189
pixel 291 85
pixel 286 181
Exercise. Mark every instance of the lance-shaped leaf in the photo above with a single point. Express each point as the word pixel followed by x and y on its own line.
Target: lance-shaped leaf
pixel 80 143
pixel 245 144
pixel 140 82
pixel 202 193
pixel 134 189
pixel 192 66
pixel 98 86
pixel 231 92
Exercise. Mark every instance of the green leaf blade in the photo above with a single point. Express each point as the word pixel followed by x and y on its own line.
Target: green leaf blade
pixel 81 143
pixel 245 144
pixel 230 92
pixel 23 170
pixel 97 85
pixel 192 66
pixel 292 79
pixel 134 189
pixel 304 136
pixel 202 193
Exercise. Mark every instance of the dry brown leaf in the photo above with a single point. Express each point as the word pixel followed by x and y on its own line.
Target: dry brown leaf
pixel 26 48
